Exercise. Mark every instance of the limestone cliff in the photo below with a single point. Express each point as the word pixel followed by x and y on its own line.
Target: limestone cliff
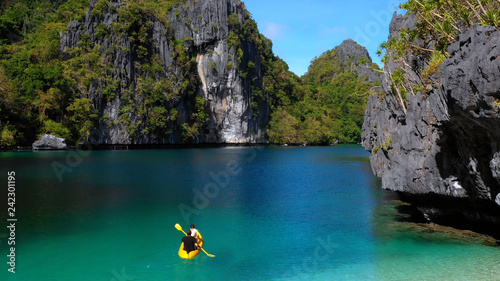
pixel 440 150
pixel 189 74
pixel 359 60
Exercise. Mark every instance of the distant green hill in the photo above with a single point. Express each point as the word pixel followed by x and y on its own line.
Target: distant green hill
pixel 332 100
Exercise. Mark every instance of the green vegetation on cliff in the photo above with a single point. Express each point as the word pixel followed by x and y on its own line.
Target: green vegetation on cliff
pixel 329 105
pixel 35 91
pixel 46 89
pixel 438 23
pixel 443 20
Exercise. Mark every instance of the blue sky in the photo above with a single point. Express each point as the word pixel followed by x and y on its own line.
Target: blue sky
pixel 304 29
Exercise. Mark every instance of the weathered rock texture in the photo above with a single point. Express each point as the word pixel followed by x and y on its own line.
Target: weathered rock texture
pixel 49 142
pixel 350 53
pixel 191 47
pixel 442 152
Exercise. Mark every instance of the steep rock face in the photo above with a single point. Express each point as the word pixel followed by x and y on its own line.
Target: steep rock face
pixel 349 50
pixel 171 80
pixel 441 152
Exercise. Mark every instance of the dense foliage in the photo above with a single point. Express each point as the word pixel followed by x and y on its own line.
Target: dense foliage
pixel 330 107
pixel 43 92
pixel 35 92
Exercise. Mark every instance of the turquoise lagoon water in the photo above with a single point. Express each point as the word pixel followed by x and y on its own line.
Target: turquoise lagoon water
pixel 266 213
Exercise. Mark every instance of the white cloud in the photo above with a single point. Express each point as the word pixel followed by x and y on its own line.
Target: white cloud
pixel 274 30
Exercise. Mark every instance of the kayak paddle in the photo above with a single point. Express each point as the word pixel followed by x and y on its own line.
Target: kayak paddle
pixel 180 229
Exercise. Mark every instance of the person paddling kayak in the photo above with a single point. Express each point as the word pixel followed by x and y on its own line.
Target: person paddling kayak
pixel 190 243
pixel 195 232
pixel 193 253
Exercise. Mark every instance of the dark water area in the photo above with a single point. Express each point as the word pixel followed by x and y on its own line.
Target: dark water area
pixel 266 213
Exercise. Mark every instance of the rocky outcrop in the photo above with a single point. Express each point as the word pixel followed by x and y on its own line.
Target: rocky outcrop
pixel 441 151
pixel 185 77
pixel 49 142
pixel 359 60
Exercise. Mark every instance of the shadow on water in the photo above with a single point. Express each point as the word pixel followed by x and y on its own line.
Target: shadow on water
pixel 398 219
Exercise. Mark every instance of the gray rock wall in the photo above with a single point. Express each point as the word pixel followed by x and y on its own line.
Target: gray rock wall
pixel 203 28
pixel 351 51
pixel 441 152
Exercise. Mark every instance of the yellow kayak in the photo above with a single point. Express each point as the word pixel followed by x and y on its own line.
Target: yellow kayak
pixel 183 254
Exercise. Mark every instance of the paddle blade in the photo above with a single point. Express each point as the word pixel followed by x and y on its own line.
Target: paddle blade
pixel 210 255
pixel 178 227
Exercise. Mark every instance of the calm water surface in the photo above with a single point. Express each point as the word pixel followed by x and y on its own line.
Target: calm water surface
pixel 267 213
